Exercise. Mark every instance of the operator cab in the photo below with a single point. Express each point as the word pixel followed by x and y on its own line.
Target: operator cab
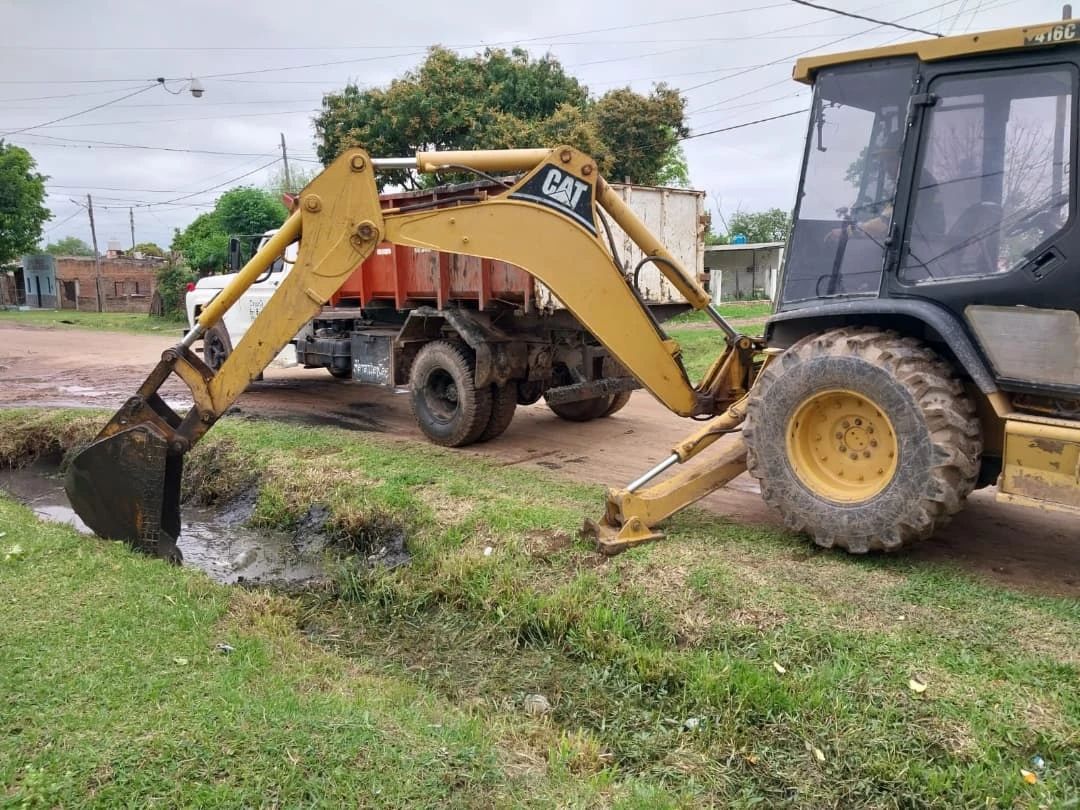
pixel 940 174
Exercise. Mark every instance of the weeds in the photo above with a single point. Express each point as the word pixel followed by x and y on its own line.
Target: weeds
pixel 728 665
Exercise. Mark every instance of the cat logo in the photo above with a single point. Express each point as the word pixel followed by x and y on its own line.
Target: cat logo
pixel 563 189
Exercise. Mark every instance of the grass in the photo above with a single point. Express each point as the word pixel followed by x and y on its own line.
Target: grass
pixel 737 310
pixel 700 347
pixel 103 321
pixel 408 686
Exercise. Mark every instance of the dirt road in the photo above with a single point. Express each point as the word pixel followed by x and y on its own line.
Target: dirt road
pixel 1022 548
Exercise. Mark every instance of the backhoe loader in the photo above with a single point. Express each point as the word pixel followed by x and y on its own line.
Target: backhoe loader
pixel 925 335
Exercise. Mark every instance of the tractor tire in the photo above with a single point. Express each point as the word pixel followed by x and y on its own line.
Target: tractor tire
pixel 340 374
pixel 504 400
pixel 862 439
pixel 449 408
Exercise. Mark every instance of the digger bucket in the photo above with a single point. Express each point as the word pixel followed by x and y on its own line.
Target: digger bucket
pixel 126 484
pixel 127 487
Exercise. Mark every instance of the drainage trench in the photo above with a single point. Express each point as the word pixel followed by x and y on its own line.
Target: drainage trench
pixel 214 541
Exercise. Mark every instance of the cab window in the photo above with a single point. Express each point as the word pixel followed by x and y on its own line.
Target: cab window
pixel 993 176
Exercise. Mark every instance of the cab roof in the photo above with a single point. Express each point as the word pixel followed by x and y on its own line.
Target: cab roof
pixel 1062 32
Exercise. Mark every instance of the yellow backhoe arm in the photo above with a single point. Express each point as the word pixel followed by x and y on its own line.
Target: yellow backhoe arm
pixel 126 484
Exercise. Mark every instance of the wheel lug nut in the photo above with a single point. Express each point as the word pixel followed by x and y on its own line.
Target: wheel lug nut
pixel 843 448
pixel 869 429
pixel 854 456
pixel 866 454
pixel 839 435
pixel 845 424
pixel 873 442
pixel 858 421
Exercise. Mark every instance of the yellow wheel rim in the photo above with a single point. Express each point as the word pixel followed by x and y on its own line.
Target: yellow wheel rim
pixel 842 446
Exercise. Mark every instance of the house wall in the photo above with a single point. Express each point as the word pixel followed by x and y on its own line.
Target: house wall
pixel 39 282
pixel 744 272
pixel 127 285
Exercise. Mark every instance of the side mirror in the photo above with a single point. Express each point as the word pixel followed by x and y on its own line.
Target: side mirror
pixel 234 254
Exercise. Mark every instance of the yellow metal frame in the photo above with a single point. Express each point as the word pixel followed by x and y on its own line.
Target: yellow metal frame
pixel 948 48
pixel 545 228
pixel 842 446
pixel 934 50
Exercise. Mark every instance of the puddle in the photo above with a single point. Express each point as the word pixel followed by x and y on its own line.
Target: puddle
pixel 212 541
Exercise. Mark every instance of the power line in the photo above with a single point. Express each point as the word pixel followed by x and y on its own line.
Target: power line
pixel 809 50
pixel 747 124
pixel 52 228
pixel 855 16
pixel 66 95
pixel 219 185
pixel 83 143
pixel 80 112
pixel 194 118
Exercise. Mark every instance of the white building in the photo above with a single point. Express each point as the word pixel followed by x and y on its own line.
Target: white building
pixel 740 272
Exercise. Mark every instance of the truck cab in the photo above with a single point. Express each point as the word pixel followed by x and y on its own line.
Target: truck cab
pixel 218 343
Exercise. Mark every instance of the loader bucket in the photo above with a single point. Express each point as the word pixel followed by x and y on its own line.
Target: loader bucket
pixel 126 486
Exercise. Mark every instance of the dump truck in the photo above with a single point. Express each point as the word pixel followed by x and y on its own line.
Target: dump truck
pixel 925 334
pixel 526 344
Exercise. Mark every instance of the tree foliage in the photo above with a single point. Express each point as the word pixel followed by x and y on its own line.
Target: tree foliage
pixel 205 242
pixel 505 99
pixel 69 246
pixel 172 281
pixel 22 203
pixel 149 249
pixel 771 225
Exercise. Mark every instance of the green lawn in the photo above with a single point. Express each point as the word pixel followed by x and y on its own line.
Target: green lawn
pixel 727 666
pixel 729 309
pixel 702 346
pixel 104 321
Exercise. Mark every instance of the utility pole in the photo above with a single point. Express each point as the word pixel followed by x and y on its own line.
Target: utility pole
pixel 131 217
pixel 97 256
pixel 285 160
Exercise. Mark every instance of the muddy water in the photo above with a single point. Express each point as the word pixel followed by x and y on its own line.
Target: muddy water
pixel 214 542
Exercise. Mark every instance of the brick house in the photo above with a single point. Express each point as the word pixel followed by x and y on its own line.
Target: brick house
pixel 127 284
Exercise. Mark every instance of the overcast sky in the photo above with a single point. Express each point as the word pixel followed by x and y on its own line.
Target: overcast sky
pixel 731 58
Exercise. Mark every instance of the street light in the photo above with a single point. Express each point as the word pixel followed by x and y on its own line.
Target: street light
pixel 193 86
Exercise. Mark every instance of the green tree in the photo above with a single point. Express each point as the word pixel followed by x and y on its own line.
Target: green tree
pixel 22 203
pixel 149 249
pixel 205 242
pixel 503 99
pixel 642 132
pixel 772 225
pixel 172 281
pixel 69 246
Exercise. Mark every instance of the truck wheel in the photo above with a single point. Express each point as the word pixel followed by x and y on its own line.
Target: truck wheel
pixel 503 405
pixel 862 439
pixel 529 392
pixel 613 368
pixel 449 408
pixel 583 410
pixel 216 346
pixel 618 402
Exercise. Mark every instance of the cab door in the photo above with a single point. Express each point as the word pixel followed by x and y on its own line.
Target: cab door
pixel 990 229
